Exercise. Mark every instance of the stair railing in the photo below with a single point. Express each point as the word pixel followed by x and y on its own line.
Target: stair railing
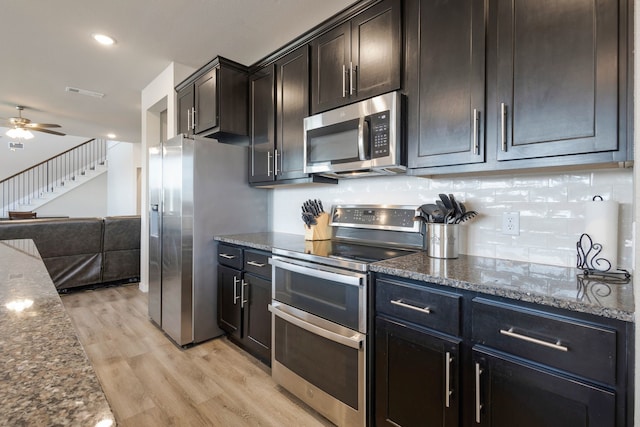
pixel 36 182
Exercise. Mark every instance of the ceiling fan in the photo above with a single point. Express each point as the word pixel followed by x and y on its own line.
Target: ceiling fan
pixel 22 124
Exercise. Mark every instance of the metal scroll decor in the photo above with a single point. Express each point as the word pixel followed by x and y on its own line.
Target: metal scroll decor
pixel 591 263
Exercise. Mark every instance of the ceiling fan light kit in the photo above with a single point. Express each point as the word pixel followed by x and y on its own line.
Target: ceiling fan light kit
pixel 21 127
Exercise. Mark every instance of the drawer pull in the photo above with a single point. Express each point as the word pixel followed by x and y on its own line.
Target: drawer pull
pixel 255 264
pixel 447 379
pixel 399 302
pixel 555 346
pixel 227 256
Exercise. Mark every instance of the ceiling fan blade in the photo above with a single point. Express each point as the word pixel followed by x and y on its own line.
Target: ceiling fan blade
pixel 41 125
pixel 52 132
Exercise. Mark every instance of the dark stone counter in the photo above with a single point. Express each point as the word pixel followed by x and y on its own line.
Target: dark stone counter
pixel 561 287
pixel 47 378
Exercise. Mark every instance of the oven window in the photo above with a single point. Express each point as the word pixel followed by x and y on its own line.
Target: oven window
pixel 330 366
pixel 336 143
pixel 334 301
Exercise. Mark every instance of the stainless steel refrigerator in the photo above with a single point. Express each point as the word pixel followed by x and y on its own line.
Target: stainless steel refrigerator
pixel 197 189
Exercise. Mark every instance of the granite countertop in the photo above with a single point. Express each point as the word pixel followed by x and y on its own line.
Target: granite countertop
pixel 47 378
pixel 561 287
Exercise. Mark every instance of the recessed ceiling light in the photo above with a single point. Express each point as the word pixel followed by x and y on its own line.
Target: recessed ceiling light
pixel 111 135
pixel 103 39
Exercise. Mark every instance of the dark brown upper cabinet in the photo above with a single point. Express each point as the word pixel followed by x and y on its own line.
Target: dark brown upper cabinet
pixel 358 59
pixel 556 77
pixel 445 82
pixel 213 102
pixel 262 146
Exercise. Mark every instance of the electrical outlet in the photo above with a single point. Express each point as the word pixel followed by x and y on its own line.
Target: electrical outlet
pixel 511 223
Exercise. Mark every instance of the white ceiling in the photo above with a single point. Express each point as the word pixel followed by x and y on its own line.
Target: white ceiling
pixel 47 47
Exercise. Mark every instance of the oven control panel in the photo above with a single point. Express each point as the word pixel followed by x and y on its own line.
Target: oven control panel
pixel 375 216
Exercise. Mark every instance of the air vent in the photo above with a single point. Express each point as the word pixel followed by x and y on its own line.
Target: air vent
pixel 13 146
pixel 84 92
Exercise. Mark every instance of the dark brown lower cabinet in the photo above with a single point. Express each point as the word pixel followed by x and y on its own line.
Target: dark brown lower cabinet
pixel 417 376
pixel 512 393
pixel 229 310
pixel 256 316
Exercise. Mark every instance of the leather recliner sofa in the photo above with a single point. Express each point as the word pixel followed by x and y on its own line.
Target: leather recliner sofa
pixel 81 252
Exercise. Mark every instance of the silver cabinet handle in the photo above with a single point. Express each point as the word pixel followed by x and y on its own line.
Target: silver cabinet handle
pixel 555 346
pixel 476 117
pixel 478 403
pixel 447 378
pixel 193 118
pixel 235 290
pixel 350 78
pixel 425 310
pixel 269 163
pixel 344 83
pixel 255 264
pixel 242 300
pixel 188 119
pixel 275 163
pixel 227 256
pixel 503 127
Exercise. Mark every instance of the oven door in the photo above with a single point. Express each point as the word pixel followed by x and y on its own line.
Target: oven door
pixel 331 293
pixel 320 362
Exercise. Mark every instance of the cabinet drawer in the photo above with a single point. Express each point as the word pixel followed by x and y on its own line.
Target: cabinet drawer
pixel 557 341
pixel 230 255
pixel 257 263
pixel 423 306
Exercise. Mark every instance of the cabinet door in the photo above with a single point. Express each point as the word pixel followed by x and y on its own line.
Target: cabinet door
pixel 417 377
pixel 509 393
pixel 185 109
pixel 206 101
pixel 376 42
pixel 292 106
pixel 331 54
pixel 445 69
pixel 256 317
pixel 229 307
pixel 557 69
pixel 262 126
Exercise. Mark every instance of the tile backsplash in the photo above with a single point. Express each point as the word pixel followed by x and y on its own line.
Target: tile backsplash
pixel 551 208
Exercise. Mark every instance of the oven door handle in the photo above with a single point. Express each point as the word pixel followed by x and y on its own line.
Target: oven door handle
pixel 354 341
pixel 346 277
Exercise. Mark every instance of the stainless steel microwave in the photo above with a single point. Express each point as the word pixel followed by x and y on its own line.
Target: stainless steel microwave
pixel 356 140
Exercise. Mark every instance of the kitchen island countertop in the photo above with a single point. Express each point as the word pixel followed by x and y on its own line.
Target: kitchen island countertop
pixel 561 287
pixel 47 378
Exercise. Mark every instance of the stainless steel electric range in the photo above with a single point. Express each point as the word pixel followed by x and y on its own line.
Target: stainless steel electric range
pixel 320 307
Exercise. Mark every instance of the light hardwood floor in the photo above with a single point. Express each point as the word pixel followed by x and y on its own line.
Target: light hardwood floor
pixel 149 381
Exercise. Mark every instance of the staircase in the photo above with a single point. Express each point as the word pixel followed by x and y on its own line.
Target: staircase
pixel 42 183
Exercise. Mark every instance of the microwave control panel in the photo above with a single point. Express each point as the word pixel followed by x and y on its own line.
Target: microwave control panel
pixel 379 134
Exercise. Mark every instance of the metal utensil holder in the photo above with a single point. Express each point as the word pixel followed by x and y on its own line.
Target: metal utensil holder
pixel 442 240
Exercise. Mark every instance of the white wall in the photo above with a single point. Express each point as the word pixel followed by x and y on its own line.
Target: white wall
pixel 86 200
pixel 551 209
pixel 159 95
pixel 121 178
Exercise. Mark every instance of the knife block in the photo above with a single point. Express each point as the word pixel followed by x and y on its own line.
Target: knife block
pixel 319 231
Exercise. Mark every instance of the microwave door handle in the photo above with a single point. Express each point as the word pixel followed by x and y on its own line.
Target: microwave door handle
pixel 354 341
pixel 363 139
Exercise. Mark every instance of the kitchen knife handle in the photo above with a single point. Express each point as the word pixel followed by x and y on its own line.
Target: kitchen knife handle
pixel 476 117
pixel 555 346
pixel 503 125
pixel 235 290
